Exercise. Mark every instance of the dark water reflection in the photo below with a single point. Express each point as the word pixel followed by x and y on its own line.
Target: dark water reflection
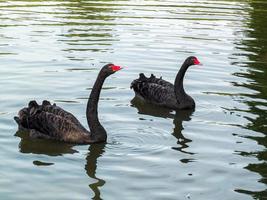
pixel 180 116
pixel 256 73
pixel 47 147
pixel 53 148
pixel 95 151
pixel 177 116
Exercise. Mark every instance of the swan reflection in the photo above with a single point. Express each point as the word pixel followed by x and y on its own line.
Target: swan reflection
pixel 43 146
pixel 95 151
pixel 178 118
pixel 55 148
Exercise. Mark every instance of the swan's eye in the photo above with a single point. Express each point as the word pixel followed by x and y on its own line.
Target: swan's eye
pixel 115 68
pixel 196 61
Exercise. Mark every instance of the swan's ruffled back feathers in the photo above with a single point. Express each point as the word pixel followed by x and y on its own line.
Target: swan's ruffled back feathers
pixel 151 79
pixel 56 110
pixel 52 121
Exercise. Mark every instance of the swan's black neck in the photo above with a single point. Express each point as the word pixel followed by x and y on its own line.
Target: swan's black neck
pixel 182 98
pixel 98 132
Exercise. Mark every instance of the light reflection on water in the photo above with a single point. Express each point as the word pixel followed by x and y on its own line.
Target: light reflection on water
pixel 54 49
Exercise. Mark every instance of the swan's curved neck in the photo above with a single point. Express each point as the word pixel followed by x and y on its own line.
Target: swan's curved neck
pixel 98 132
pixel 179 83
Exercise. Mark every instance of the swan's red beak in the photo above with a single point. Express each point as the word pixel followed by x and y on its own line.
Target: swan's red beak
pixel 196 62
pixel 116 68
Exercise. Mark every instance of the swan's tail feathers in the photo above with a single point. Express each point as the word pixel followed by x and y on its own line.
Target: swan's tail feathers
pixel 142 81
pixel 136 82
pixel 16 118
pixel 22 118
pixel 22 126
pixel 133 84
pixel 23 113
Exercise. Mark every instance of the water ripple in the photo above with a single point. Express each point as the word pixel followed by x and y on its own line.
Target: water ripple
pixel 139 141
pixel 54 49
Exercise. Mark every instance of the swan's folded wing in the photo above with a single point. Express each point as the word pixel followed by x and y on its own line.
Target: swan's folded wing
pixel 55 126
pixel 153 92
pixel 56 110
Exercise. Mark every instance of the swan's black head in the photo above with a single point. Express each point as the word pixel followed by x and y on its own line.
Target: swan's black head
pixel 110 69
pixel 192 60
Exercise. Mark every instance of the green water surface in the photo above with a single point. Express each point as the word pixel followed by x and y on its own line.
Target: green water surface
pixel 54 49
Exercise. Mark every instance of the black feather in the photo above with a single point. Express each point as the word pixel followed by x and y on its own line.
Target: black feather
pixel 46 103
pixel 33 104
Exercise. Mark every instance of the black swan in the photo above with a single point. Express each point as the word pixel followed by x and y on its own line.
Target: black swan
pixel 52 122
pixel 163 93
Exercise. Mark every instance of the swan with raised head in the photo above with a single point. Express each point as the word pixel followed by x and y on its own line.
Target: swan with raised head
pixel 52 122
pixel 163 93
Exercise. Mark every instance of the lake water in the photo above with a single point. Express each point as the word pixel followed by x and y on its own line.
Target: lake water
pixel 54 49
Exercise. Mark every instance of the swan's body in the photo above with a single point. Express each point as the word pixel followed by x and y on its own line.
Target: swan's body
pixel 163 93
pixel 52 122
